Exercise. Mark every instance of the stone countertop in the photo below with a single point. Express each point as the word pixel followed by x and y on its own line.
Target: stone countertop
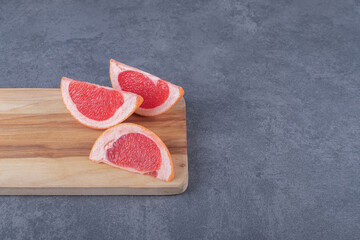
pixel 272 91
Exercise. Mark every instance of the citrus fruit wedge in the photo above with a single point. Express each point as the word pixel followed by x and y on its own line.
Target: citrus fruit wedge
pixel 97 106
pixel 158 94
pixel 134 148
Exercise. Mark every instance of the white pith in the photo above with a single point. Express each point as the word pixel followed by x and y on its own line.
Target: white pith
pixel 106 140
pixel 174 91
pixel 120 115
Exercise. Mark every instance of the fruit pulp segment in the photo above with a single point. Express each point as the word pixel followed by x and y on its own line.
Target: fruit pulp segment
pixel 95 102
pixel 136 151
pixel 153 94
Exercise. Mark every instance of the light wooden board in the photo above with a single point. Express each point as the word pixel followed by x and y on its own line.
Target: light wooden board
pixel 44 151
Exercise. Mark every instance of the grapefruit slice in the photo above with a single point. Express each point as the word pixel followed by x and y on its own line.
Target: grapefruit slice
pixel 158 94
pixel 134 148
pixel 96 106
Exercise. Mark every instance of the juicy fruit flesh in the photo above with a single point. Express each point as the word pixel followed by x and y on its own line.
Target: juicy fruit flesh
pixel 153 94
pixel 135 150
pixel 94 102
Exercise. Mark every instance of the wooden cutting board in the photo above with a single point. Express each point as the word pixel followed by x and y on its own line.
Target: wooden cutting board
pixel 44 151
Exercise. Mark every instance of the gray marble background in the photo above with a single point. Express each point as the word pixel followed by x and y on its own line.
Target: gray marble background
pixel 273 107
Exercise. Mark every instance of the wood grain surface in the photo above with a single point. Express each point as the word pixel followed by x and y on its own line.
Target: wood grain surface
pixel 44 151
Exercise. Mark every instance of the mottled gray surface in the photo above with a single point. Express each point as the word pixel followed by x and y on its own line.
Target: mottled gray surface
pixel 273 106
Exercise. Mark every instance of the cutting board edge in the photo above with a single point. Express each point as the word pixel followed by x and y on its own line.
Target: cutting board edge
pixel 48 191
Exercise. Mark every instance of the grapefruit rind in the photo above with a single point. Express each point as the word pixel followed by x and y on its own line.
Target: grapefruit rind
pixel 106 140
pixel 175 92
pixel 131 103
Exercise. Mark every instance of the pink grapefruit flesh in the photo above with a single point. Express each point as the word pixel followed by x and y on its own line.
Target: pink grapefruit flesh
pixel 158 94
pixel 97 106
pixel 134 148
pixel 92 101
pixel 154 94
